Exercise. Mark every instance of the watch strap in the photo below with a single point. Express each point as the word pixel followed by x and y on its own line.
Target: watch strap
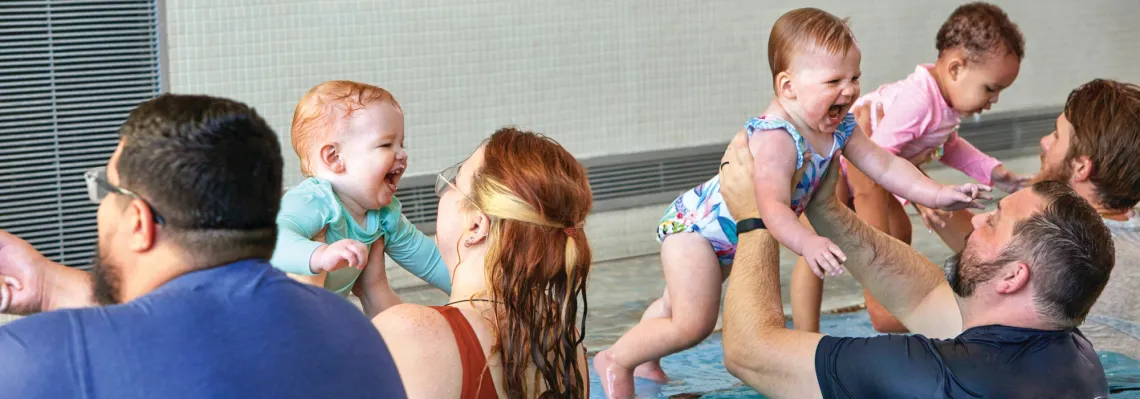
pixel 749 224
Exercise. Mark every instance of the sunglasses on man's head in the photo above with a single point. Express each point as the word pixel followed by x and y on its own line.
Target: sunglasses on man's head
pixel 98 187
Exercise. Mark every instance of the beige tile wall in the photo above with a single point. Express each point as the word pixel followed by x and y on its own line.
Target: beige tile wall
pixel 602 77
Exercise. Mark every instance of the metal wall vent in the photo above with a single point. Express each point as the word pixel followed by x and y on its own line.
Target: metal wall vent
pixel 632 180
pixel 70 72
pixel 1014 131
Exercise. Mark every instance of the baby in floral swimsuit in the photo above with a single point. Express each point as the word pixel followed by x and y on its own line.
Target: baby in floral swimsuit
pixel 815 64
pixel 701 210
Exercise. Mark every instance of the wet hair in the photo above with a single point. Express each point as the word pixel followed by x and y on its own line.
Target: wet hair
pixel 211 167
pixel 537 196
pixel 323 112
pixel 805 28
pixel 1105 115
pixel 981 29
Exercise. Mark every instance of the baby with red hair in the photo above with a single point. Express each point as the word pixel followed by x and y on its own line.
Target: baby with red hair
pixel 349 137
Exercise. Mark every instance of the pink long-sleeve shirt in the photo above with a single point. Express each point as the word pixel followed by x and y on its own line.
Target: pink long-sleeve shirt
pixel 917 118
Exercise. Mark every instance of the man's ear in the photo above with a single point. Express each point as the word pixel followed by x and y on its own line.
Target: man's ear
pixel 1013 279
pixel 1082 168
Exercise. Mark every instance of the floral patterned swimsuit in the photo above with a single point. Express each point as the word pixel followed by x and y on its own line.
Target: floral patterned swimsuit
pixel 702 210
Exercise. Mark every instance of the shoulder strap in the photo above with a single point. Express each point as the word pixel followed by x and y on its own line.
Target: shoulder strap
pixel 773 123
pixel 845 129
pixel 477 380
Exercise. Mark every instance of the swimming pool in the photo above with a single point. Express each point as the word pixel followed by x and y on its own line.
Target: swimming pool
pixel 699 372
pixel 621 290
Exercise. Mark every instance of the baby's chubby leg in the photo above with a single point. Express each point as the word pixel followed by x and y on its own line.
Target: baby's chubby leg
pixel 693 279
pixel 651 370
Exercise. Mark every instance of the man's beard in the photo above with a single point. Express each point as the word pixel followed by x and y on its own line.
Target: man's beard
pixel 1061 172
pixel 107 281
pixel 964 271
pixel 953 268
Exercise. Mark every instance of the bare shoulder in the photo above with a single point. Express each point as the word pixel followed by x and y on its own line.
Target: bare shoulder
pixel 413 325
pixel 424 349
pixel 774 151
pixel 778 138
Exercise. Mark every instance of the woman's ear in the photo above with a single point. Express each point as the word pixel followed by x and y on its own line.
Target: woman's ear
pixel 477 229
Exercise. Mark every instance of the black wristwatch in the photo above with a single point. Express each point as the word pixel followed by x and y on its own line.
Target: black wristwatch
pixel 749 224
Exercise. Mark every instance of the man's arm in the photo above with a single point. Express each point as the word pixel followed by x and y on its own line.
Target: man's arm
pixel 43 285
pixel 67 288
pixel 758 348
pixel 911 287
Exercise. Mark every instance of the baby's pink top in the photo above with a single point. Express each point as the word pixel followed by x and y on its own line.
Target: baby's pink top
pixel 916 118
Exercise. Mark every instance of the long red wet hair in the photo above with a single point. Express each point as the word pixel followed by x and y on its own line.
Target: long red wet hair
pixel 537 196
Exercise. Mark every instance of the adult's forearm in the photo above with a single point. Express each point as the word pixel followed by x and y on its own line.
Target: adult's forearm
pixel 66 288
pixel 753 306
pixel 895 274
pixel 376 297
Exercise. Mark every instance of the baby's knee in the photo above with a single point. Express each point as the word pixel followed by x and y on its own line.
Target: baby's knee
pixel 694 330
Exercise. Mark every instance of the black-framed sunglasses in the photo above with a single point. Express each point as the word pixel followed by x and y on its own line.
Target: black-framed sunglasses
pixel 98 187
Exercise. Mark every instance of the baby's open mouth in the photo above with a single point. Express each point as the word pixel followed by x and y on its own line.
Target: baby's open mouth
pixel 835 112
pixel 392 179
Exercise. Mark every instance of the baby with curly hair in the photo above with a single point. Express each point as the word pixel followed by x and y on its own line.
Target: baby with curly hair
pixel 979 55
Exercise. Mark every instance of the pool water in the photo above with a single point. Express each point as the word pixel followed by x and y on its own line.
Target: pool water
pixel 699 372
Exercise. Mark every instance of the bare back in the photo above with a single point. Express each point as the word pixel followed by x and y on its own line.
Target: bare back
pixel 427 352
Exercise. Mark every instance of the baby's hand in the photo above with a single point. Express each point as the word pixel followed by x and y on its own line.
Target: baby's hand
pixel 823 256
pixel 1007 181
pixel 338 255
pixel 952 198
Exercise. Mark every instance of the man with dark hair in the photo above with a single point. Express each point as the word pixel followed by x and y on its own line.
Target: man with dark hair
pixel 1026 279
pixel 191 306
